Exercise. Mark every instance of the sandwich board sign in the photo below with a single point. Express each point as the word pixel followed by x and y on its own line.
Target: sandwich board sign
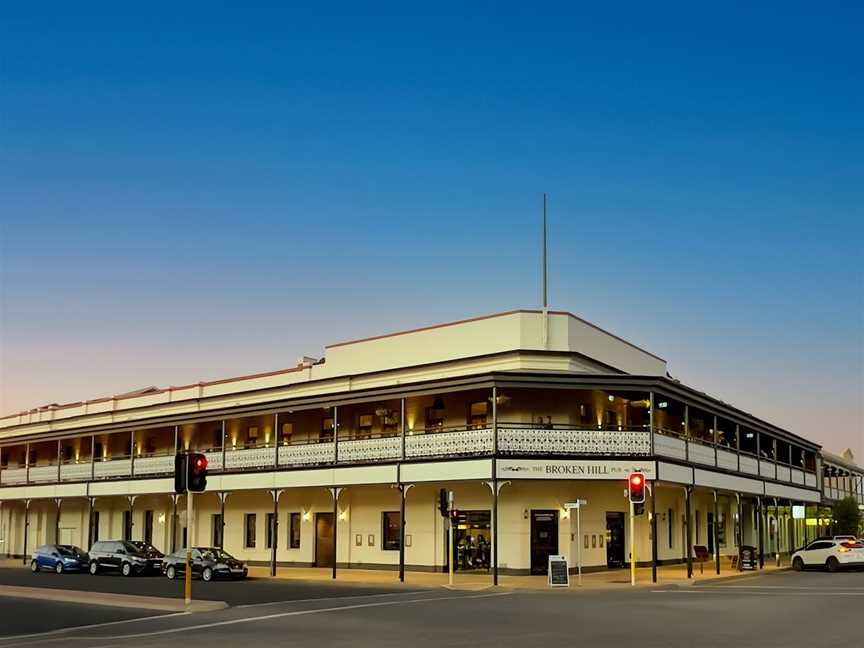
pixel 559 573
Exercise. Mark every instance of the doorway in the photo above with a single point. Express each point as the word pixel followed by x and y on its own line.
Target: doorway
pixel 615 540
pixel 544 539
pixel 323 539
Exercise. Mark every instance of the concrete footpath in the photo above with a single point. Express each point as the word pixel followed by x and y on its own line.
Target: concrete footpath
pixel 603 580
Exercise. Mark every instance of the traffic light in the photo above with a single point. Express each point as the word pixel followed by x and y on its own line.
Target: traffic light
pixel 196 473
pixel 454 516
pixel 636 487
pixel 180 473
pixel 442 502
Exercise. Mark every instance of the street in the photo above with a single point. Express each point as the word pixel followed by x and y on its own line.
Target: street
pixel 781 609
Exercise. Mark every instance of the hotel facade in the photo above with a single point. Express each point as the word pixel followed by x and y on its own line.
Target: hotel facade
pixel 339 462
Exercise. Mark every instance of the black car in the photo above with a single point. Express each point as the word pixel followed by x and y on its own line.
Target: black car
pixel 154 556
pixel 117 555
pixel 207 562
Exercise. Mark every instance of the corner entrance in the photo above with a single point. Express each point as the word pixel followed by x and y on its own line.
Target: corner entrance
pixel 614 539
pixel 544 539
pixel 323 539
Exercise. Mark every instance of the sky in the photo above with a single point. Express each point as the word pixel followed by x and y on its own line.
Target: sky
pixel 190 191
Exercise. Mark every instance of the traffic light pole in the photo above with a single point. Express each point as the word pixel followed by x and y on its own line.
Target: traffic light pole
pixel 188 572
pixel 450 538
pixel 632 545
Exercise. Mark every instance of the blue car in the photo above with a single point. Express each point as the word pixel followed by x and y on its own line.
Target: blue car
pixel 59 558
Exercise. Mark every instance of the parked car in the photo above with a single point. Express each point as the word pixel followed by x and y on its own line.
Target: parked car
pixel 829 554
pixel 58 558
pixel 154 556
pixel 207 563
pixel 118 554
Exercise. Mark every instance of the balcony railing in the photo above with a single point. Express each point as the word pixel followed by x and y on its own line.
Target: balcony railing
pixel 449 441
pixel 514 439
pixel 518 438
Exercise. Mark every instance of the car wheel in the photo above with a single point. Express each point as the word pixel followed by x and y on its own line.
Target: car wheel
pixel 58 568
pixel 171 573
pixel 34 566
pixel 207 574
pixel 94 567
pixel 126 569
pixel 832 564
pixel 798 564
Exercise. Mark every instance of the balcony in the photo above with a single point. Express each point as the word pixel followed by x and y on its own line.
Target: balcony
pixel 110 467
pixel 154 465
pixel 375 449
pixel 521 439
pixel 43 474
pixel 449 441
pixel 13 476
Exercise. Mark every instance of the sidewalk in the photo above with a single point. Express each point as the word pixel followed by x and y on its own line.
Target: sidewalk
pixel 604 580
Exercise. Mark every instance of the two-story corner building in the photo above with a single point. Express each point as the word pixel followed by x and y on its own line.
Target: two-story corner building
pixel 517 414
pixel 841 477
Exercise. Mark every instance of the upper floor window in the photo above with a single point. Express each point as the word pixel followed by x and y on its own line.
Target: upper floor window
pixel 434 419
pixel 217 440
pixel 32 457
pixel 326 429
pixel 477 414
pixel 287 431
pixel 364 426
pixel 150 446
pixel 68 453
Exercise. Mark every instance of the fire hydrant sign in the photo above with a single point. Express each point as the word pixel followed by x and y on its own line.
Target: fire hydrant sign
pixel 559 573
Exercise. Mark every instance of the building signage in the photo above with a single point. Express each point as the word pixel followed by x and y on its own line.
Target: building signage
pixel 586 469
pixel 798 512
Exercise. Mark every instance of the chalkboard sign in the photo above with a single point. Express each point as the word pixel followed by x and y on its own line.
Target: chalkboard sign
pixel 559 573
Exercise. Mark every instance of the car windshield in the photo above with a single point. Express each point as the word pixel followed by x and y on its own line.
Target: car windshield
pixel 216 554
pixel 68 550
pixel 131 548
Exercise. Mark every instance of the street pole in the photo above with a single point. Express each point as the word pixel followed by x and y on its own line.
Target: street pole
pixel 188 573
pixel 632 545
pixel 579 544
pixel 450 537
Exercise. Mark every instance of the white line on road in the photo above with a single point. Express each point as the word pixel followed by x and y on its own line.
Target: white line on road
pixel 326 598
pixel 783 587
pixel 280 615
pixel 90 627
pixel 719 590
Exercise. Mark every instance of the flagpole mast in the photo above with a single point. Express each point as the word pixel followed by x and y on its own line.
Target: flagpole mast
pixel 545 295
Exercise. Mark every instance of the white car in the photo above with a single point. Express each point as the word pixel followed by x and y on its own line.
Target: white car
pixel 830 554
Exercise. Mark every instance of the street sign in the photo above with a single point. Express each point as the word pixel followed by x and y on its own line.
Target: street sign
pixel 559 573
pixel 575 505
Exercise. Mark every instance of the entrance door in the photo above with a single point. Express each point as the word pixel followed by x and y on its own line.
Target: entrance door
pixel 544 539
pixel 615 540
pixel 323 539
pixel 710 521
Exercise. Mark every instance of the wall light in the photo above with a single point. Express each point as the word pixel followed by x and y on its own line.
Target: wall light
pixel 343 515
pixel 307 515
pixel 662 404
pixel 161 518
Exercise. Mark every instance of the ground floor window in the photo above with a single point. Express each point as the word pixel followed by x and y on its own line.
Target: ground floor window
pixel 721 528
pixel 471 538
pixel 390 531
pixel 216 530
pixel 148 527
pixel 127 525
pixel 95 526
pixel 271 529
pixel 294 531
pixel 249 531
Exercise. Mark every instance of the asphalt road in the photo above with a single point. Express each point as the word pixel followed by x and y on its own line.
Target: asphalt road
pixel 779 610
pixel 245 592
pixel 24 616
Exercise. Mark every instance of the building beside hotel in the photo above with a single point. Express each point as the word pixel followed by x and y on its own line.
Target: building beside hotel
pixel 517 413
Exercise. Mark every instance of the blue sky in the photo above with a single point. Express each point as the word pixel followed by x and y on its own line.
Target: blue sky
pixel 200 191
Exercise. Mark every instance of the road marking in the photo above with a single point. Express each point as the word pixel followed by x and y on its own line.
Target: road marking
pixel 782 587
pixel 719 590
pixel 91 626
pixel 280 615
pixel 326 598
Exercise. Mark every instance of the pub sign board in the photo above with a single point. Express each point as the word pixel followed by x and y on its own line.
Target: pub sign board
pixel 576 469
pixel 559 572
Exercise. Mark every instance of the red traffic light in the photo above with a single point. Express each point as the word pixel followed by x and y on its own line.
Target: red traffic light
pixel 636 487
pixel 201 463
